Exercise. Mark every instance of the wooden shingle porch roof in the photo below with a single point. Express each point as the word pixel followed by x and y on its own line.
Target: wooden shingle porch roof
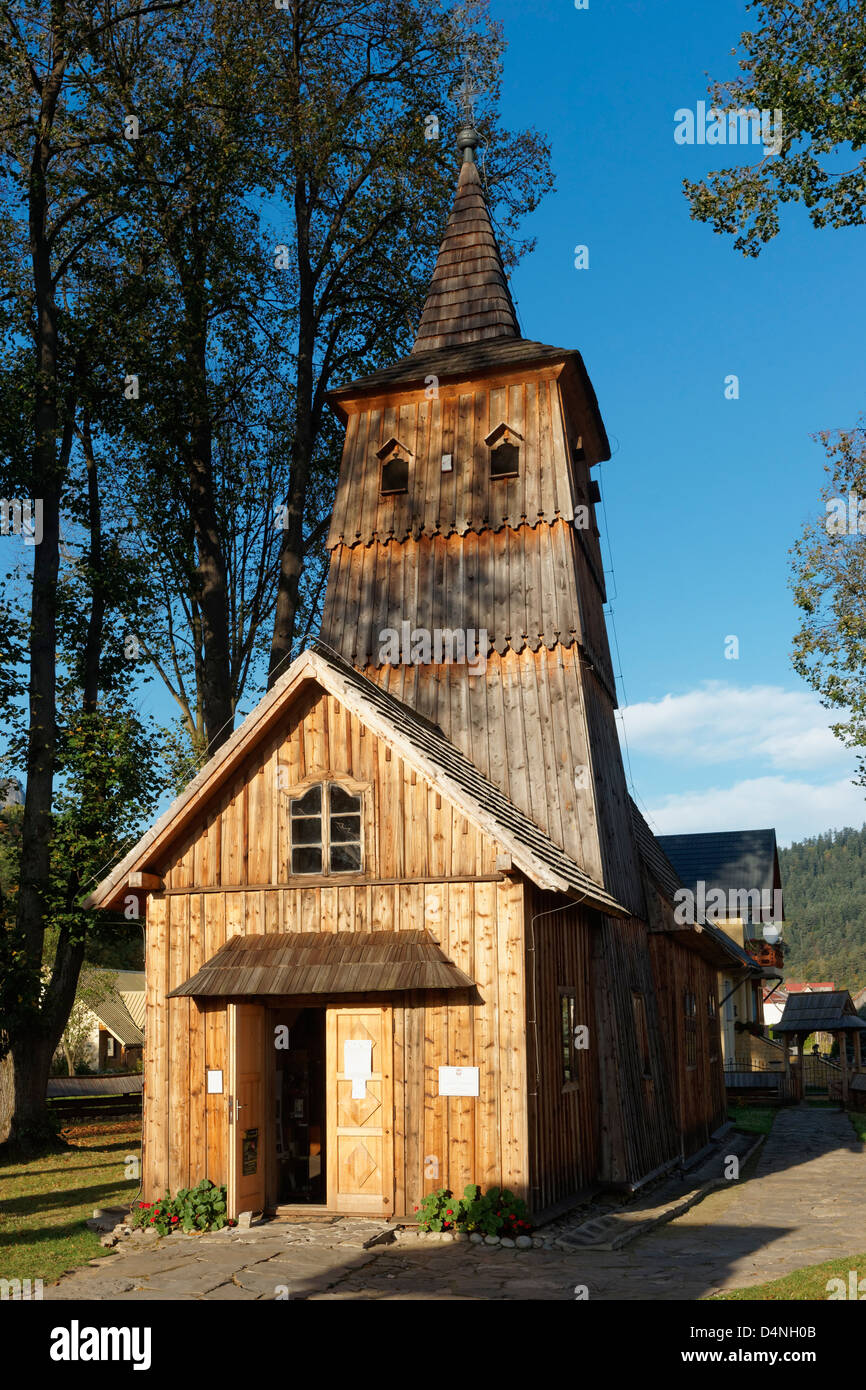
pixel 342 962
pixel 409 734
pixel 825 1011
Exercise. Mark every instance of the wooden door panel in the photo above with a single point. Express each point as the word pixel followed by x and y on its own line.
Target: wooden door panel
pixel 360 1128
pixel 250 1135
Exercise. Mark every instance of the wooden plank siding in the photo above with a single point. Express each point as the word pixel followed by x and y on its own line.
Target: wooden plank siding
pixel 563 1118
pixel 700 1106
pixel 464 498
pixel 425 866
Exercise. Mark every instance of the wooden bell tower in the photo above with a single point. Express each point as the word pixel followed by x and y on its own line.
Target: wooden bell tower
pixel 465 506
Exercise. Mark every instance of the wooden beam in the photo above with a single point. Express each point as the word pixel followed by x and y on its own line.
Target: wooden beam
pixel 151 883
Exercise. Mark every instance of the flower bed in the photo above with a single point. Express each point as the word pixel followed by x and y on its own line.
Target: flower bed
pixel 201 1208
pixel 496 1213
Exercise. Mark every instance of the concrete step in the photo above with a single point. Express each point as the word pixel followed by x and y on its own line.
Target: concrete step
pixel 612 1230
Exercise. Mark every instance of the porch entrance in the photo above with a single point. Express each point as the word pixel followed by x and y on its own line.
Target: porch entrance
pixel 299 1105
pixel 311 1108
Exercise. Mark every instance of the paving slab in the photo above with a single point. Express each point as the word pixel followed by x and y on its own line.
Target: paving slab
pixel 803 1205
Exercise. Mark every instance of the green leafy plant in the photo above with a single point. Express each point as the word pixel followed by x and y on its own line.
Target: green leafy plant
pixel 439 1211
pixel 200 1208
pixel 496 1212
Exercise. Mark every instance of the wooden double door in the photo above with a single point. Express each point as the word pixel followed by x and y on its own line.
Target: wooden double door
pixel 358 1108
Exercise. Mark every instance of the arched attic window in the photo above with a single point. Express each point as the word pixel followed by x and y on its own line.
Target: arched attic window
pixel 394 458
pixel 325 828
pixel 504 445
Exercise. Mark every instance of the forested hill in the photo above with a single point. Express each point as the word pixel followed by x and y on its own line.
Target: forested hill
pixel 824 888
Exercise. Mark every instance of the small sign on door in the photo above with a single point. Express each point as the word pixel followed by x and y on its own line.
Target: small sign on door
pixel 358 1064
pixel 458 1081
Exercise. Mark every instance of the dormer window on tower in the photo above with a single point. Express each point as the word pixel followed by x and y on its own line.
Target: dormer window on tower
pixel 394 458
pixel 504 446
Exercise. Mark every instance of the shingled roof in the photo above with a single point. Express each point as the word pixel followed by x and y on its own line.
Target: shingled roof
pixel 667 879
pixel 469 299
pixel 825 1011
pixel 730 860
pixel 342 962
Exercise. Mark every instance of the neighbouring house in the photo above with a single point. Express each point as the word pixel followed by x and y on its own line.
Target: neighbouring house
pixel 859 1000
pixel 405 929
pixel 115 1040
pixel 736 874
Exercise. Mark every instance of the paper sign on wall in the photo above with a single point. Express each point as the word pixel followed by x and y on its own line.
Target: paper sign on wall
pixel 214 1083
pixel 458 1081
pixel 358 1064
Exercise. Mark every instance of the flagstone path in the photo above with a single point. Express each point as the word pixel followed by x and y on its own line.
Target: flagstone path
pixel 805 1203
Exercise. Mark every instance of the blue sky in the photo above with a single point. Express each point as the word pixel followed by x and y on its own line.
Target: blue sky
pixel 703 496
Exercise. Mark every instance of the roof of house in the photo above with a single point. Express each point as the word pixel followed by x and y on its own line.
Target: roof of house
pixel 423 746
pixel 666 878
pixel 135 1001
pixel 343 962
pixel 469 300
pixel 822 1012
pixel 731 860
pixel 472 359
pixel 115 1016
pixel 809 986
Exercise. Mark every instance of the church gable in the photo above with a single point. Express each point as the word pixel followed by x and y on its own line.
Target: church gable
pixel 325 794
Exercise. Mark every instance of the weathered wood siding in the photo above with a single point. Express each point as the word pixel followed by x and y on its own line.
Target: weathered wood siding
pixel 638 1126
pixel 699 1089
pixel 231 875
pixel 563 1118
pixel 464 498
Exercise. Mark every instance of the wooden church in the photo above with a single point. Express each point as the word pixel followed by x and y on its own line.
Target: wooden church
pixel 406 930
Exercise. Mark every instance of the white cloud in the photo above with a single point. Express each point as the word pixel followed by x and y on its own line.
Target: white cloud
pixel 717 723
pixel 795 808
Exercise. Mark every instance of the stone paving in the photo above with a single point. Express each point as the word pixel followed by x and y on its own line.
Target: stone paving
pixel 805 1204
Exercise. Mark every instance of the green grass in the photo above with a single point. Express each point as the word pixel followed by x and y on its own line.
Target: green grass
pixel 858 1120
pixel 808 1284
pixel 47 1199
pixel 753 1119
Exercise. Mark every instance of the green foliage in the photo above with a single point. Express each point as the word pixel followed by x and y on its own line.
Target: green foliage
pixel 497 1212
pixel 806 59
pixel 828 579
pixel 824 886
pixel 200 1208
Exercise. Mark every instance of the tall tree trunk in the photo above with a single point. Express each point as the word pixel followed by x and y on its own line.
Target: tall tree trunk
pixel 291 552
pixel 216 687
pixel 27 1092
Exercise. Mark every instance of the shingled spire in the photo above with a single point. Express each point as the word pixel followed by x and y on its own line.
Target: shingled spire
pixel 469 298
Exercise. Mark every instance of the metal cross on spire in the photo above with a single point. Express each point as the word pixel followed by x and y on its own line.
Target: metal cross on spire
pixel 466 93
